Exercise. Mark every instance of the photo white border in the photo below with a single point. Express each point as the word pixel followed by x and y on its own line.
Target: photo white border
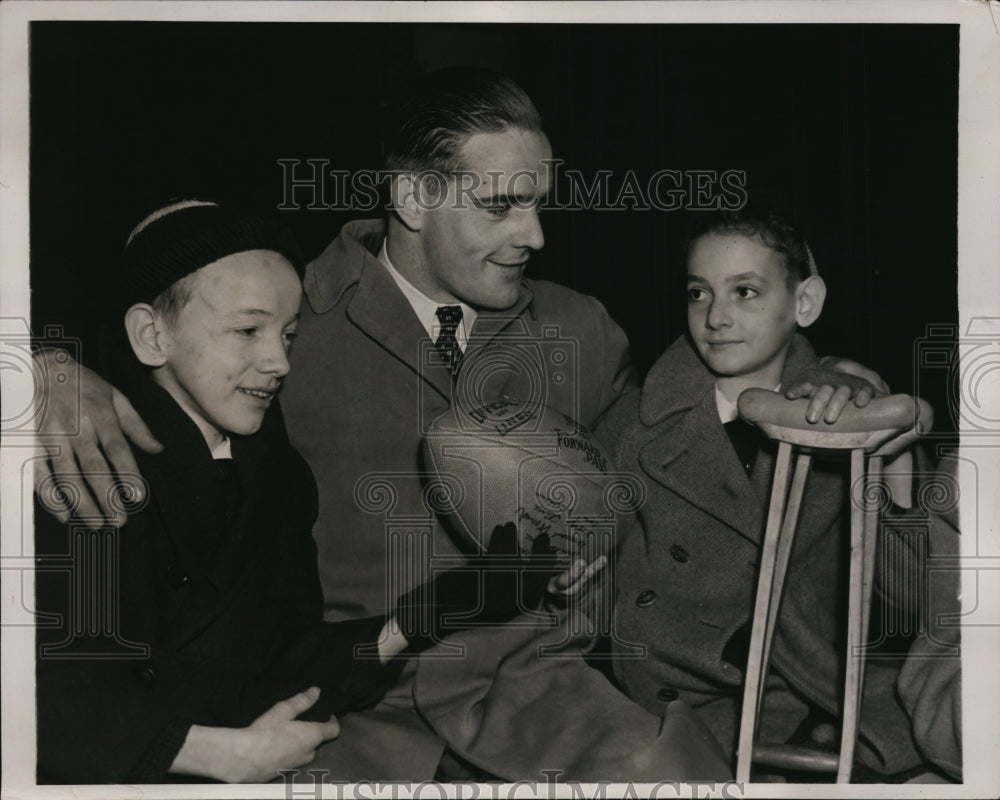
pixel 978 286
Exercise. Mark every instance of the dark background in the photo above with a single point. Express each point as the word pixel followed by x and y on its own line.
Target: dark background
pixel 856 125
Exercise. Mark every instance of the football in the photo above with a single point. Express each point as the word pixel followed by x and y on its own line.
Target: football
pixel 524 462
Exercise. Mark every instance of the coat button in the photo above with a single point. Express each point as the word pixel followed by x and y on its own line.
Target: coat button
pixel 176 577
pixel 667 694
pixel 646 598
pixel 146 675
pixel 678 553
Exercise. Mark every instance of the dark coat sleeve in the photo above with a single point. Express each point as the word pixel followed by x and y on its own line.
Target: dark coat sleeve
pixel 341 658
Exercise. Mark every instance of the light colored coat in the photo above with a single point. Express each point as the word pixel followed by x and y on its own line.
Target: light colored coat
pixel 359 397
pixel 356 403
pixel 930 683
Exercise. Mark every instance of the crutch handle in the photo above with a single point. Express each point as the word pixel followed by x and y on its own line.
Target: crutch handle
pixel 867 428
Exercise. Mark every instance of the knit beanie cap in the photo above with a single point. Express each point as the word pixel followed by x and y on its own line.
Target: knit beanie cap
pixel 185 236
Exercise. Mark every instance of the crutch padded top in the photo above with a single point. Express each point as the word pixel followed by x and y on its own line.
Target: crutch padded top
pixel 868 427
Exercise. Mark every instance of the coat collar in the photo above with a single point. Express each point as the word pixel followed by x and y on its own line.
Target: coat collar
pixel 690 453
pixel 679 379
pixel 185 479
pixel 490 324
pixel 677 382
pixel 343 263
pixel 380 309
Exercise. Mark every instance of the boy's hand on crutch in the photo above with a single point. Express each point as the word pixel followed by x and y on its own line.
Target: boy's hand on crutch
pixel 833 385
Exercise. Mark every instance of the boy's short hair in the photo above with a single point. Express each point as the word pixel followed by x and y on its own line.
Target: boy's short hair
pixel 767 221
pixel 428 126
pixel 168 303
pixel 175 241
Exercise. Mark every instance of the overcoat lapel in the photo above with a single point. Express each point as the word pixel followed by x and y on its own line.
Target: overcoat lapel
pixel 689 452
pixel 186 510
pixel 489 324
pixel 493 331
pixel 381 310
pixel 693 459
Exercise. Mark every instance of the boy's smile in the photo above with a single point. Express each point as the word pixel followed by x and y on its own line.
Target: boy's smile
pixel 228 350
pixel 741 312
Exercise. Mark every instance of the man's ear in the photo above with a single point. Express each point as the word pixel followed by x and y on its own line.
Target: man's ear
pixel 404 193
pixel 142 325
pixel 809 298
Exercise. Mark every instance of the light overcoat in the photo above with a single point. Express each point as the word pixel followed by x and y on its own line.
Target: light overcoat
pixel 365 384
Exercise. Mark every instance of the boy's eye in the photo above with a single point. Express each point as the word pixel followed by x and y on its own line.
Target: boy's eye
pixel 246 331
pixel 289 335
pixel 746 292
pixel 695 294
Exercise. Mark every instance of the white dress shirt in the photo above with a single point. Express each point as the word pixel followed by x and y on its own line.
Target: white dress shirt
pixel 425 308
pixel 727 408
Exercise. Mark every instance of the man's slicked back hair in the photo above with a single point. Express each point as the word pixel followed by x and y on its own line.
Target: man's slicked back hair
pixel 427 127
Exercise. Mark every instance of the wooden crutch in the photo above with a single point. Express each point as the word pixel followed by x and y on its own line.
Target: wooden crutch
pixel 862 431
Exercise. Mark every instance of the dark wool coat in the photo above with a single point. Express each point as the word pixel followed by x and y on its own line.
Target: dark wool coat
pixel 687 574
pixel 216 618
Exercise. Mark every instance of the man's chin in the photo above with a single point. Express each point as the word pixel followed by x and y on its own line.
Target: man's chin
pixel 497 303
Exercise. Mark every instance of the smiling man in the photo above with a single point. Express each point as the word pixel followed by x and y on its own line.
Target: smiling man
pixel 468 160
pixel 403 315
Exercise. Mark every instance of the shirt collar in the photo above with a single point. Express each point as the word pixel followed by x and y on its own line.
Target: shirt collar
pixel 424 307
pixel 727 408
pixel 223 449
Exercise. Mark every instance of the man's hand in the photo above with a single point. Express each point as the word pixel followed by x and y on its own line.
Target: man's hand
pixel 493 588
pixel 833 385
pixel 275 741
pixel 83 431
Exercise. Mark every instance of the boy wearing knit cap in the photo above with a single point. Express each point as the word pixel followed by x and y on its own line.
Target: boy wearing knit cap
pixel 209 642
